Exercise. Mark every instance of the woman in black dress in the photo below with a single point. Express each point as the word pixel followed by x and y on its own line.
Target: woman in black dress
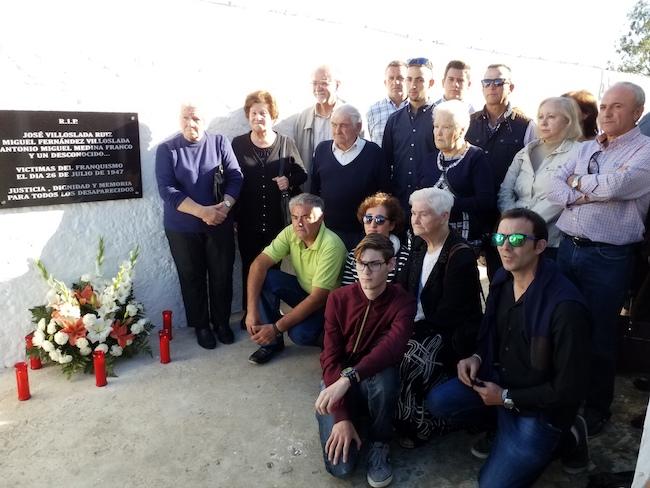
pixel 272 167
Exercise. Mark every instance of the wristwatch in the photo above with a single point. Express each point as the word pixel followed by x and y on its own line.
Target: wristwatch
pixel 507 402
pixel 227 203
pixel 575 182
pixel 351 374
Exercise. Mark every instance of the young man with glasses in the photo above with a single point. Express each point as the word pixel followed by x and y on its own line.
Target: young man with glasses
pixel 408 136
pixel 605 192
pixel 501 130
pixel 367 326
pixel 531 364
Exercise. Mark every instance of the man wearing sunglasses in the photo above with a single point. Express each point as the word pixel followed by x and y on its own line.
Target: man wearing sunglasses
pixel 367 326
pixel 408 136
pixel 501 130
pixel 605 192
pixel 531 364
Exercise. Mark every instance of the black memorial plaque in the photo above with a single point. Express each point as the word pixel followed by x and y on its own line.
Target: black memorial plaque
pixel 68 157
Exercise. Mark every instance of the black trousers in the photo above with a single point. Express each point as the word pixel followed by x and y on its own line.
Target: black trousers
pixel 251 244
pixel 204 262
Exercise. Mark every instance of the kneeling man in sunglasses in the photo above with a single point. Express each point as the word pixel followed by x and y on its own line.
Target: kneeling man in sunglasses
pixel 531 365
pixel 367 327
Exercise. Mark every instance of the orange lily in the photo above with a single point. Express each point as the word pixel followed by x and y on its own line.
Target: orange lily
pixel 87 295
pixel 74 328
pixel 120 332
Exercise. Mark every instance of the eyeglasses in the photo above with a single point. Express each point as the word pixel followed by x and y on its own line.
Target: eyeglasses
pixel 419 62
pixel 321 84
pixel 379 219
pixel 515 240
pixel 593 167
pixel 497 82
pixel 372 265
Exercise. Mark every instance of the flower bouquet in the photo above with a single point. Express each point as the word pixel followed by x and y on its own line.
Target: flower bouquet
pixel 96 314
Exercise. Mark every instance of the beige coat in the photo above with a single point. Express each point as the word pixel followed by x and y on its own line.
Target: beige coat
pixel 523 187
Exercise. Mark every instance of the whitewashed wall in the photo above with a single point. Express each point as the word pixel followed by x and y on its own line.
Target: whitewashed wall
pixel 145 57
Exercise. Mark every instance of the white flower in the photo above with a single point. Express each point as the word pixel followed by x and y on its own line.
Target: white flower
pixel 53 298
pixel 51 327
pixel 41 324
pixel 82 343
pixel 98 329
pixel 116 350
pixel 86 278
pixel 129 342
pixel 131 310
pixel 85 351
pixel 38 338
pixel 64 358
pixel 70 310
pixel 102 347
pixel 138 327
pixel 60 338
pixel 55 355
pixel 47 346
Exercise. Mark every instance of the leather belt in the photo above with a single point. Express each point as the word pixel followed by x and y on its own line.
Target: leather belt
pixel 584 242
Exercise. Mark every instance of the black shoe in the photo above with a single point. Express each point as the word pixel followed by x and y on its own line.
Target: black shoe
pixel 482 447
pixel 224 334
pixel 642 384
pixel 595 422
pixel 578 460
pixel 205 338
pixel 265 353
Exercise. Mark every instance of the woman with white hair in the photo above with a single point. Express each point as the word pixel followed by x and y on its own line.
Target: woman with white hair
pixel 461 169
pixel 528 179
pixel 441 273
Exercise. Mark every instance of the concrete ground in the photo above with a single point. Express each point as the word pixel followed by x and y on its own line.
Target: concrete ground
pixel 209 418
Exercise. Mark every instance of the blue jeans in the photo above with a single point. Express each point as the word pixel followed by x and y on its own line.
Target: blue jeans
pixel 279 285
pixel 524 445
pixel 375 396
pixel 602 274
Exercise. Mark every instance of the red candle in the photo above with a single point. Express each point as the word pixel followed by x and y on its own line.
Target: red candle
pixel 34 361
pixel 99 363
pixel 167 323
pixel 164 347
pixel 22 381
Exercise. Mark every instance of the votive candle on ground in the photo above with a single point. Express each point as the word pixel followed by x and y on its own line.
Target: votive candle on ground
pixel 99 363
pixel 22 381
pixel 34 361
pixel 165 357
pixel 167 323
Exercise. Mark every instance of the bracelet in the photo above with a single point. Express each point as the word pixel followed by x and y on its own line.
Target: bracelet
pixel 480 360
pixel 277 331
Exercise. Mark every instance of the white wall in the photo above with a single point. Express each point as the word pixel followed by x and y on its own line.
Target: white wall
pixel 145 57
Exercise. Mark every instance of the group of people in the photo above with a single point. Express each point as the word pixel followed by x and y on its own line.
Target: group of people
pixel 372 245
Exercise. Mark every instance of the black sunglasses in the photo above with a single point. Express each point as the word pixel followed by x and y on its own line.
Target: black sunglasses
pixel 515 240
pixel 379 219
pixel 496 82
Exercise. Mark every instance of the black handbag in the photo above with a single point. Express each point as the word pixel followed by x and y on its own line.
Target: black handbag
pixel 219 184
pixel 284 194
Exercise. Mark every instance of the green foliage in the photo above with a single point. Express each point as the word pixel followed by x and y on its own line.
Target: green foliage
pixel 634 47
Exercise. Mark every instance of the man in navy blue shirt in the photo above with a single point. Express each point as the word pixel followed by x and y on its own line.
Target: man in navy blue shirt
pixel 408 136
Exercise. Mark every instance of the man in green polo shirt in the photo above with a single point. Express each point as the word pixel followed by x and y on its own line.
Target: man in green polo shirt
pixel 317 255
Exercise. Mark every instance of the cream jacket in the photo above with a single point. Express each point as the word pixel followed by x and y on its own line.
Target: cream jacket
pixel 523 187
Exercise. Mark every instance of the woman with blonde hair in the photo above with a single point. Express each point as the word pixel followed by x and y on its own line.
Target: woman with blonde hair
pixel 528 179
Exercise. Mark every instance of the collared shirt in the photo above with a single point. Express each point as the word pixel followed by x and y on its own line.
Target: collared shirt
pixel 615 179
pixel 530 130
pixel 377 116
pixel 470 107
pixel 322 128
pixel 408 141
pixel 347 156
pixel 318 265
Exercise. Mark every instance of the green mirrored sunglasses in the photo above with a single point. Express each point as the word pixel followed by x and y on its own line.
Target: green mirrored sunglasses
pixel 515 240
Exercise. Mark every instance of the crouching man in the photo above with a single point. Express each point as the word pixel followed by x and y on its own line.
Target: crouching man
pixel 531 365
pixel 367 327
